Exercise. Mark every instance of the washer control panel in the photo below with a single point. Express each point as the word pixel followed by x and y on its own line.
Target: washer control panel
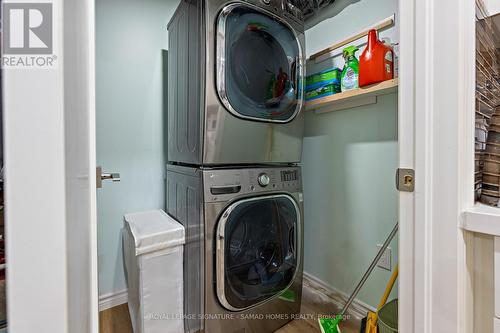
pixel 225 184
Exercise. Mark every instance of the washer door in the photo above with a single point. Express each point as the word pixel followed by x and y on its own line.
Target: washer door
pixel 259 65
pixel 257 255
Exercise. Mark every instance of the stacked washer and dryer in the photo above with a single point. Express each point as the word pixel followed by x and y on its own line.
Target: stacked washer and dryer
pixel 235 130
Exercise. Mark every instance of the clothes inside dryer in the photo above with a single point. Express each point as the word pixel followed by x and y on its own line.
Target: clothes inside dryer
pixel 259 258
pixel 260 76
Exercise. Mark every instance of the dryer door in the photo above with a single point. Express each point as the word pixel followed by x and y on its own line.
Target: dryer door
pixel 259 65
pixel 256 254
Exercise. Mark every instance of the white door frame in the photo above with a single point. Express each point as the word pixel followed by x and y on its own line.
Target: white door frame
pixel 35 196
pixel 436 127
pixel 80 142
pixel 406 133
pixel 436 138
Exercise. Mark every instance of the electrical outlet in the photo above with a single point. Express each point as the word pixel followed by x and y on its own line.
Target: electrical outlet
pixel 385 261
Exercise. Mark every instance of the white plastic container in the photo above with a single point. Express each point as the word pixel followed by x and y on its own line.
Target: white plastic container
pixel 153 255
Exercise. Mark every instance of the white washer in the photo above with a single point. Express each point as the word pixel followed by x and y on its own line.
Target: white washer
pixel 243 255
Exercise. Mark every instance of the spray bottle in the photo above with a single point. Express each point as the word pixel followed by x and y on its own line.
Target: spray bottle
pixel 350 73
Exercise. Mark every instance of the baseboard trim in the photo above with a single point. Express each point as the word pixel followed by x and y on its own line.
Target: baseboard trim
pixel 358 309
pixel 110 300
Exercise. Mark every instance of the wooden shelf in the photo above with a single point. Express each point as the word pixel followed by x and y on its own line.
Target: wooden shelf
pixel 353 98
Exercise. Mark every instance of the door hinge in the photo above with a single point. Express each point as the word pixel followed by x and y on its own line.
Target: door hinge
pixel 405 180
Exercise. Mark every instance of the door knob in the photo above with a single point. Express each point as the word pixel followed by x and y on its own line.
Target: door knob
pixel 100 176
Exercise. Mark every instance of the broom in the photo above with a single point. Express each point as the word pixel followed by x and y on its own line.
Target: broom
pixel 331 325
pixel 372 318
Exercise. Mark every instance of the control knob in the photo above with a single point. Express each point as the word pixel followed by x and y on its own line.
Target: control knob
pixel 263 179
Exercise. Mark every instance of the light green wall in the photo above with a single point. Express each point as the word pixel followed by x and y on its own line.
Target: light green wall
pixel 130 37
pixel 349 162
pixel 356 15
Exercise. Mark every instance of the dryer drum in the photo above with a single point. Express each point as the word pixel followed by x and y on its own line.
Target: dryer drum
pixel 256 78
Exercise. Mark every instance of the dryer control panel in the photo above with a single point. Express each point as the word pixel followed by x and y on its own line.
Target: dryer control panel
pixel 292 11
pixel 284 8
pixel 225 184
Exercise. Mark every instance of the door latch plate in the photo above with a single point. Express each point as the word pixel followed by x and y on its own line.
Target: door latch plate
pixel 405 180
pixel 100 176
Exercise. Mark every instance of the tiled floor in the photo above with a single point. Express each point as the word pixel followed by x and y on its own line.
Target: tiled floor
pixel 117 320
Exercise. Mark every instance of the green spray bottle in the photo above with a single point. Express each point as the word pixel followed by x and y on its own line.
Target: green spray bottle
pixel 350 73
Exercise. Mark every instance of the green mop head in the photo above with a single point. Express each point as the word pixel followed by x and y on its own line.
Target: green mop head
pixel 330 325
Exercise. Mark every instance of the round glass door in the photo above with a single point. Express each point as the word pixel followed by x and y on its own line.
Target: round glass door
pixel 256 250
pixel 259 65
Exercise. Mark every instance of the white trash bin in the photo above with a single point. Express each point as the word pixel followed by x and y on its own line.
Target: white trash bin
pixel 153 255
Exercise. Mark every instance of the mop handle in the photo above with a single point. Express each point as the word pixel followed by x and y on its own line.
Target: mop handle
pixel 389 287
pixel 370 269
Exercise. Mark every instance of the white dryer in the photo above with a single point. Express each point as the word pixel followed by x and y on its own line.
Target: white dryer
pixel 235 82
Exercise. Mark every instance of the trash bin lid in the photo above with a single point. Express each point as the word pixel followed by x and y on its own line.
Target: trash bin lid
pixel 154 230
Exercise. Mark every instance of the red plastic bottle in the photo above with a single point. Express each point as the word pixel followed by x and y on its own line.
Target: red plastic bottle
pixel 376 63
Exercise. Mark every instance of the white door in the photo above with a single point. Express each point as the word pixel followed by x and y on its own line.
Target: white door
pixel 50 181
pixel 436 139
